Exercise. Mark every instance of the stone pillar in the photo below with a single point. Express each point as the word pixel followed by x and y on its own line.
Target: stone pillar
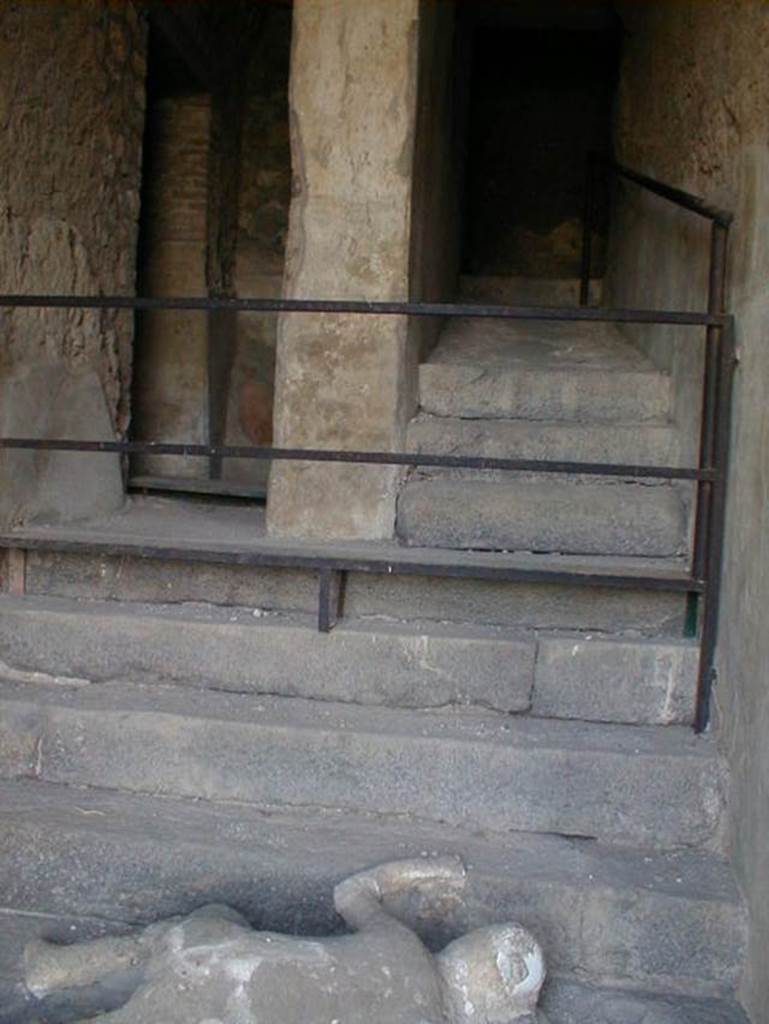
pixel 342 381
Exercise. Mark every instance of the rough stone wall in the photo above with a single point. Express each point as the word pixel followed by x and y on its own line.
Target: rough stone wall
pixel 340 380
pixel 170 396
pixel 71 117
pixel 693 111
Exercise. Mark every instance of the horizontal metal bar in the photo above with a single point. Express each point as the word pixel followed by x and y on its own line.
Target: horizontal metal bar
pixel 439 309
pixel 362 457
pixel 687 200
pixel 354 563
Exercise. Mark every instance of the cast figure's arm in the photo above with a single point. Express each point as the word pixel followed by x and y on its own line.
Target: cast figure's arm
pixel 359 899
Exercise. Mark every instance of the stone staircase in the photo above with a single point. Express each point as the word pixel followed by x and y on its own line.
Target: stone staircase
pixel 176 732
pixel 543 390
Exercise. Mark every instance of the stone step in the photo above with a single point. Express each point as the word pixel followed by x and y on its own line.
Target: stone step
pixel 541 370
pixel 94 574
pixel 654 786
pixel 82 862
pixel 639 444
pixel 474 391
pixel 622 679
pixel 539 514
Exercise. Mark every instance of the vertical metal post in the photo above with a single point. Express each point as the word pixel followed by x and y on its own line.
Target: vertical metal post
pixel 15 571
pixel 716 524
pixel 588 217
pixel 329 599
pixel 716 302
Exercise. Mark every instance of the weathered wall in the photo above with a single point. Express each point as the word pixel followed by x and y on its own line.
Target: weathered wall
pixel 263 206
pixel 340 380
pixel 170 393
pixel 693 110
pixel 71 118
pixel 435 192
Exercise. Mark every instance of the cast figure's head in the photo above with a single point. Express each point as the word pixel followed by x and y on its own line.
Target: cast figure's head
pixel 492 975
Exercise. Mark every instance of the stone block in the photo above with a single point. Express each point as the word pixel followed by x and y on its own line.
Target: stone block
pixel 657 787
pixel 465 389
pixel 623 680
pixel 228 649
pixel 52 402
pixel 570 517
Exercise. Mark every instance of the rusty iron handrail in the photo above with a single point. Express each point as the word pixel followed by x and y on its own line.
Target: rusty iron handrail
pixel 715 423
pixel 703 577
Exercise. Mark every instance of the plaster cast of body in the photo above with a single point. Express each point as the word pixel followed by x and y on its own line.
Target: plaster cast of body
pixel 212 968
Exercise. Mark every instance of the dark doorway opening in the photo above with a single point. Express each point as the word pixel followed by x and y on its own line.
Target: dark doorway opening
pixel 539 90
pixel 215 196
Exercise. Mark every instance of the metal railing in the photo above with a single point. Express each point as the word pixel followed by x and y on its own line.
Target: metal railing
pixel 701 578
pixel 715 423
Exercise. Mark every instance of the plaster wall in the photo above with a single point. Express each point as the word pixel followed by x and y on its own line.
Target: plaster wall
pixel 71 117
pixel 693 111
pixel 340 379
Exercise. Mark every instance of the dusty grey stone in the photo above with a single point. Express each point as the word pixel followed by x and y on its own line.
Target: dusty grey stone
pixel 165 524
pixel 453 389
pixel 85 575
pixel 416 598
pixel 537 605
pixel 48 402
pixel 660 787
pixel 661 920
pixel 645 444
pixel 341 380
pixel 535 515
pixel 616 680
pixel 230 649
pixel 570 1002
pixel 211 964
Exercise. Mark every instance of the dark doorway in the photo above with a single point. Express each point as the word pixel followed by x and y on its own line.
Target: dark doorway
pixel 539 94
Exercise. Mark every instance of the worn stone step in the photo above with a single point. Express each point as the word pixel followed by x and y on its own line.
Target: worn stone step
pixel 470 390
pixel 535 514
pixel 541 370
pixel 125 557
pixel 623 679
pixel 230 649
pixel 415 597
pixel 655 786
pixel 639 444
pixel 77 862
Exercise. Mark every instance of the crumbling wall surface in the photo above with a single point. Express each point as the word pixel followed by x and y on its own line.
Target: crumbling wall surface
pixel 340 379
pixel 71 118
pixel 694 111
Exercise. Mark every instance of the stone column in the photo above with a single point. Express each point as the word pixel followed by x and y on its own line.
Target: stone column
pixel 343 381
